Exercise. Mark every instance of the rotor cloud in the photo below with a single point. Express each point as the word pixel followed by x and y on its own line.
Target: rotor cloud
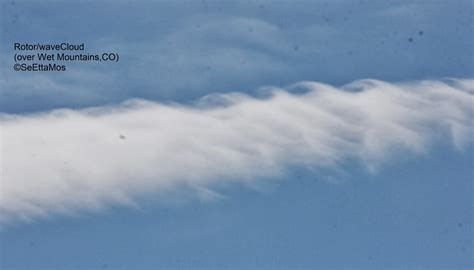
pixel 65 160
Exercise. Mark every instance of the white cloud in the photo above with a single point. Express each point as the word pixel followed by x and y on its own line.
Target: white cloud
pixel 64 161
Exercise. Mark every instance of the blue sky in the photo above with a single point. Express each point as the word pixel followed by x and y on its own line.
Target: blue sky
pixel 299 162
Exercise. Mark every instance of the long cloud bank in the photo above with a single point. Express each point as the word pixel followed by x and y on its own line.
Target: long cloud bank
pixel 65 161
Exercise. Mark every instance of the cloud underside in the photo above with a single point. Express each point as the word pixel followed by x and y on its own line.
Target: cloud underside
pixel 65 161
